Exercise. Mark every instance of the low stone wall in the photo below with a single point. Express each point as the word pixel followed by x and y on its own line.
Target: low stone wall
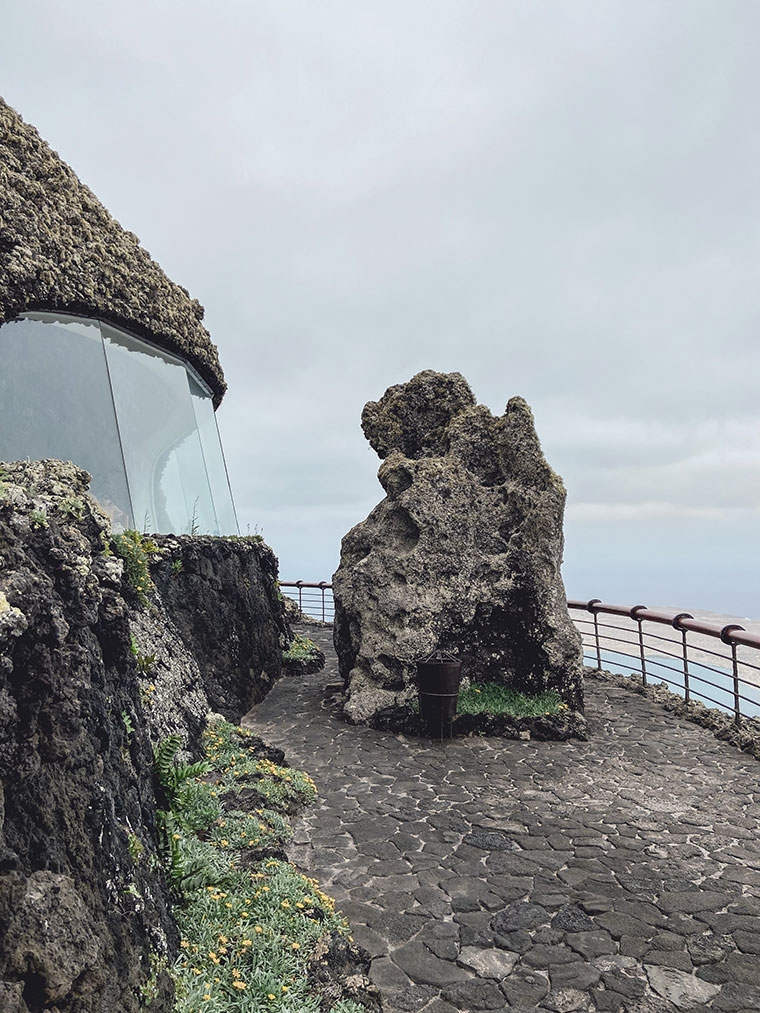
pixel 96 667
pixel 221 594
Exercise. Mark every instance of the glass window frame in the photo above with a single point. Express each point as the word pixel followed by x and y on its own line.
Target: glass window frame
pixel 217 483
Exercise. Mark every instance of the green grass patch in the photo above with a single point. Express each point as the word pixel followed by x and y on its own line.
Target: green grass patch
pixel 248 926
pixel 493 698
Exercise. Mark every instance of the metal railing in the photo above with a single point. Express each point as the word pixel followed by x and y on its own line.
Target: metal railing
pixel 669 647
pixel 315 600
pixel 691 666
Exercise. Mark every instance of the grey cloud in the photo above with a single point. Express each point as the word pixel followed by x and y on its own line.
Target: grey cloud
pixel 558 200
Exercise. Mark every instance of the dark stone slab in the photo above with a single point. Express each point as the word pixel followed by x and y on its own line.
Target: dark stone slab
pixel 669 958
pixel 571 919
pixel 543 956
pixel 744 968
pixel 520 915
pixel 474 995
pixel 425 968
pixel 691 901
pixel 525 987
pixel 591 944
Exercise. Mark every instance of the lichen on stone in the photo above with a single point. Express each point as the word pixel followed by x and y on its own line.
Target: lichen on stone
pixel 462 555
pixel 62 250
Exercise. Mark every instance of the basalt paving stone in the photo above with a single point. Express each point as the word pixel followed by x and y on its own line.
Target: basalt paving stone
pixel 595 868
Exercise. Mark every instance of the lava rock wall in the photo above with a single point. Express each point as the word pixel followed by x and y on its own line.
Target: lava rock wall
pixel 463 554
pixel 91 679
pixel 222 596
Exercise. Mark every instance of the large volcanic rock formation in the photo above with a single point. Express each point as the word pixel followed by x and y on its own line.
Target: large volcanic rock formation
pixel 463 554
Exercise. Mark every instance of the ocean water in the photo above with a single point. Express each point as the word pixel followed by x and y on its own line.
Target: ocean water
pixel 710 668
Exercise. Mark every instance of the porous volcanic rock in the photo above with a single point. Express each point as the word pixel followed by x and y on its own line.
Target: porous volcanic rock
pixel 222 595
pixel 90 682
pixel 462 555
pixel 61 250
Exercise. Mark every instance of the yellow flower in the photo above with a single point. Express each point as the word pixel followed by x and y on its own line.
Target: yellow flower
pixel 184 944
pixel 239 984
pixel 285 903
pixel 258 929
pixel 271 996
pixel 295 946
pixel 214 958
pixel 247 942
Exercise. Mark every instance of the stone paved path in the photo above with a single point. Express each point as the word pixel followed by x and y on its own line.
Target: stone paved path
pixel 482 874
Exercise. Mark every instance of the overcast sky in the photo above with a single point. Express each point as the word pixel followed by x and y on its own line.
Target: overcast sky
pixel 558 199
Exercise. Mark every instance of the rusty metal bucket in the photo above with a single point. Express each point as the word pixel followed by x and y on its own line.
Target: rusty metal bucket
pixel 438 678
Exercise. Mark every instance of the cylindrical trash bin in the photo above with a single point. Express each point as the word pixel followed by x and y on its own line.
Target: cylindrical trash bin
pixel 438 678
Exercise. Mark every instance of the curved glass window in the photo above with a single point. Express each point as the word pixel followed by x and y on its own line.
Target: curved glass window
pixel 137 418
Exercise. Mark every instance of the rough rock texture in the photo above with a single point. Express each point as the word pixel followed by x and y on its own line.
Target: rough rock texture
pixel 89 683
pixel 221 594
pixel 339 970
pixel 463 554
pixel 61 250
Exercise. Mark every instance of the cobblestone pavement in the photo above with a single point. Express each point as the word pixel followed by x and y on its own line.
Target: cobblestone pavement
pixel 621 873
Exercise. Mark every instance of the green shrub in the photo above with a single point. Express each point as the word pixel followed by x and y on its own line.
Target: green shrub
pixel 249 930
pixel 300 649
pixel 135 549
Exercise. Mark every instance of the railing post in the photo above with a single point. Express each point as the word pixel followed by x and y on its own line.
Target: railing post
pixel 677 626
pixel 634 615
pixel 725 636
pixel 322 586
pixel 737 707
pixel 590 608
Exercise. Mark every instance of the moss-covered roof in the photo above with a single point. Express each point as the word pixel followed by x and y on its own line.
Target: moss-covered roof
pixel 61 250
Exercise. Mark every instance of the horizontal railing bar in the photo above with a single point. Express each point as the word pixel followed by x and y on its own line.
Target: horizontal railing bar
pixel 731 633
pixel 693 674
pixel 304 583
pixel 592 657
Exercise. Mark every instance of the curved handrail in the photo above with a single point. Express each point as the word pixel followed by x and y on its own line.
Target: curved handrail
pixel 315 599
pixel 733 635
